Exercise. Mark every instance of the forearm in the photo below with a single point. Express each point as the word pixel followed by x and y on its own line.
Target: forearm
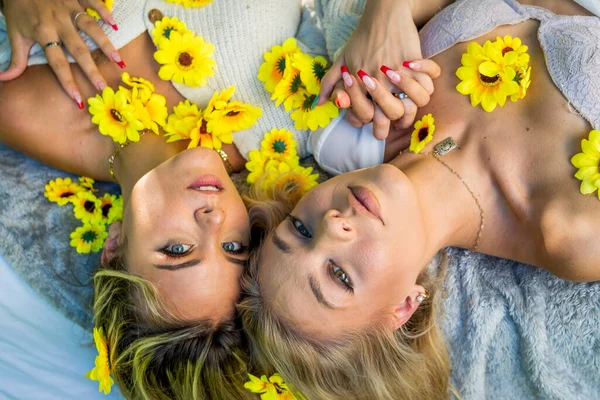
pixel 421 10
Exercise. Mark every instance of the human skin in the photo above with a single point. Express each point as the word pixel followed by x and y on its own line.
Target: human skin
pixel 515 160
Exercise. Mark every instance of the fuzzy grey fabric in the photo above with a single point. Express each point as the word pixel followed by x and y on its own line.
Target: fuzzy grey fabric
pixel 515 331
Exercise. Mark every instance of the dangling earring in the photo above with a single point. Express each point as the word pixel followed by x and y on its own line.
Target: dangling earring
pixel 422 296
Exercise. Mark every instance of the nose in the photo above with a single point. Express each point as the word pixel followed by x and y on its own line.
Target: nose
pixel 336 226
pixel 209 217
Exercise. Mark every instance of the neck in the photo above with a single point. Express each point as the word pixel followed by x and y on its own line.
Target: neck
pixel 452 217
pixel 137 159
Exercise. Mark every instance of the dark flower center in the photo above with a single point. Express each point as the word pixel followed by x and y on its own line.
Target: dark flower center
pixel 116 115
pixel 167 32
pixel 89 206
pixel 185 59
pixel 308 102
pixel 506 50
pixel 89 236
pixel 68 193
pixel 489 80
pixel 296 83
pixel 279 146
pixel 232 113
pixel 319 70
pixel 423 134
pixel 203 127
pixel 105 209
pixel 281 65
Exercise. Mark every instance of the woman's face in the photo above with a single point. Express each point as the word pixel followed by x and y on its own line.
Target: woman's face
pixel 348 255
pixel 187 231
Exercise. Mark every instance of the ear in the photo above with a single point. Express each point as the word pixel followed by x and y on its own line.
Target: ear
pixel 404 311
pixel 111 244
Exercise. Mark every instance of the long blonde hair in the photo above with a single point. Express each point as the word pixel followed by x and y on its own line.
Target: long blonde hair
pixel 409 363
pixel 155 355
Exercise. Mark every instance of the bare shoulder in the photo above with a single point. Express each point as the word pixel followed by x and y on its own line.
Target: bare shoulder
pixel 560 7
pixel 571 239
pixel 40 120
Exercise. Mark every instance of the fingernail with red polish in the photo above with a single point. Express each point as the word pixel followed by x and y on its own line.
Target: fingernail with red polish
pixel 346 76
pixel 367 80
pixel 117 58
pixel 412 65
pixel 115 27
pixel 390 73
pixel 77 97
pixel 337 102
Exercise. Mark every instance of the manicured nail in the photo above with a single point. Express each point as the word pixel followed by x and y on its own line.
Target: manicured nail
pixel 314 103
pixel 111 21
pixel 77 97
pixel 101 85
pixel 367 80
pixel 115 27
pixel 390 73
pixel 346 76
pixel 337 102
pixel 412 65
pixel 117 58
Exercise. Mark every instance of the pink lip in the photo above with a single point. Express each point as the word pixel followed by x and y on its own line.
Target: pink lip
pixel 362 198
pixel 207 180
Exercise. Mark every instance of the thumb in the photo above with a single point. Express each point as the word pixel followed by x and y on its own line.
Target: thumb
pixel 18 60
pixel 329 80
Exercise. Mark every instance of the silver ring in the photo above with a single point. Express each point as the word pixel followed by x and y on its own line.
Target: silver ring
pixel 400 95
pixel 77 16
pixel 52 44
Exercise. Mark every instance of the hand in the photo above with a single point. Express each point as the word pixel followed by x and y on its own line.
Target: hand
pixel 45 21
pixel 386 35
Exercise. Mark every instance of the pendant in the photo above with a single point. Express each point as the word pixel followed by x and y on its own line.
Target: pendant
pixel 444 147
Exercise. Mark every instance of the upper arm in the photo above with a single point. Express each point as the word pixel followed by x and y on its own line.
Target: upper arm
pixel 423 11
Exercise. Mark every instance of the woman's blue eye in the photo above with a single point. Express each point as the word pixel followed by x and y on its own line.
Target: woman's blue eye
pixel 176 249
pixel 233 247
pixel 300 227
pixel 340 274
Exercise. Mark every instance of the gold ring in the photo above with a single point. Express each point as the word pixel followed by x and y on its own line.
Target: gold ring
pixel 77 16
pixel 52 44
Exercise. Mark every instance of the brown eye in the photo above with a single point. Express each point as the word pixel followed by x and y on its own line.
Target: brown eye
pixel 340 274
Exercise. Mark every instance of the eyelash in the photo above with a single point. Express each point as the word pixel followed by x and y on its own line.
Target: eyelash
pixel 298 225
pixel 170 254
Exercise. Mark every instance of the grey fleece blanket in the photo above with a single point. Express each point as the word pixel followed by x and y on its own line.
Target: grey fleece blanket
pixel 515 332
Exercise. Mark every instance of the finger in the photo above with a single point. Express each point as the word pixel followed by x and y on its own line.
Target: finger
pixel 410 113
pixel 57 60
pixel 90 27
pixel 339 96
pixel 81 53
pixel 362 107
pixel 426 66
pixel 425 81
pixel 100 7
pixel 355 122
pixel 20 53
pixel 408 85
pixel 329 81
pixel 391 106
pixel 381 124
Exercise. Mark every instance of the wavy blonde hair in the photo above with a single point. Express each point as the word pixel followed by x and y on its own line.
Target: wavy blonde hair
pixel 409 363
pixel 155 355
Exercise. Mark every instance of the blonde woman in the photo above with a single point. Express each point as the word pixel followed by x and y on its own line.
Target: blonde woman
pixel 165 293
pixel 338 299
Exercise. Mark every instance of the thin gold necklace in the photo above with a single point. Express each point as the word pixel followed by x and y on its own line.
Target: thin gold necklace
pixel 441 149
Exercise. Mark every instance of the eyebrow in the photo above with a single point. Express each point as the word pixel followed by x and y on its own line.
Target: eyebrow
pixel 316 289
pixel 280 243
pixel 175 267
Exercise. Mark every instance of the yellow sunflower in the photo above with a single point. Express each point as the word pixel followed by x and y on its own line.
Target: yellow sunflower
pixel 219 101
pixel 290 91
pixel 101 371
pixel 255 165
pixel 279 144
pixel 487 76
pixel 306 117
pixel 94 14
pixel 422 134
pixel 163 28
pixel 183 120
pixel 111 207
pixel 234 117
pixel 273 388
pixel 190 3
pixel 588 162
pixel 87 207
pixel 508 43
pixel 523 79
pixel 141 88
pixel 89 238
pixel 185 59
pixel 200 135
pixel 115 117
pixel 153 113
pixel 87 183
pixel 272 70
pixel 62 191
pixel 289 177
pixel 312 70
